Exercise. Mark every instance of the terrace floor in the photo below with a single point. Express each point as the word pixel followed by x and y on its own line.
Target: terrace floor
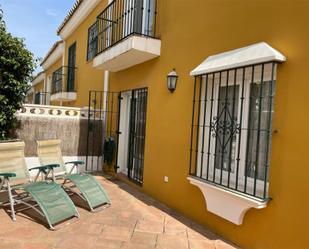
pixel 134 220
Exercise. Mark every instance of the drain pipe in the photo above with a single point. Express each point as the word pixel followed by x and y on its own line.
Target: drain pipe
pixel 63 70
pixel 105 95
pixel 105 109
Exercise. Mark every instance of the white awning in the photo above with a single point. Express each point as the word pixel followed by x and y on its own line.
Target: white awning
pixel 253 54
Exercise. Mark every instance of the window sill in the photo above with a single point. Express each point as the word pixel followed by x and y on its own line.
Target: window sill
pixel 226 204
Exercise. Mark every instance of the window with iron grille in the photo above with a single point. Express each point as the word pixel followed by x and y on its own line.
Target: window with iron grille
pixel 37 98
pixel 70 87
pixel 232 128
pixel 92 41
pixel 57 81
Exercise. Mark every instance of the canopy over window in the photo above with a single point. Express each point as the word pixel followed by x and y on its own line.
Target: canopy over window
pixel 253 54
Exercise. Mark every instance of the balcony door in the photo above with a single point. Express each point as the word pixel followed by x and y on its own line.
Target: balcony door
pixel 141 20
pixel 71 68
pixel 148 17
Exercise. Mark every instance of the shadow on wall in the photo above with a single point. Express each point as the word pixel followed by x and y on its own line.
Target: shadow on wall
pixel 72 132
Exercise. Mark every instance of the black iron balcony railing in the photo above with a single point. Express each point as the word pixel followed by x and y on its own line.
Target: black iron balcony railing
pixel 120 19
pixel 57 80
pixel 62 75
pixel 42 98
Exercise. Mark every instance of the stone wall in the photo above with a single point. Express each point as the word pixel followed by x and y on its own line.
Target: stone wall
pixel 68 124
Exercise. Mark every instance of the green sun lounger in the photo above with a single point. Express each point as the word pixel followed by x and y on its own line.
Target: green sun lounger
pixel 45 197
pixel 90 190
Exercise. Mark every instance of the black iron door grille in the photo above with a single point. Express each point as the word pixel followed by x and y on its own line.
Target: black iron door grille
pixel 137 130
pixel 102 124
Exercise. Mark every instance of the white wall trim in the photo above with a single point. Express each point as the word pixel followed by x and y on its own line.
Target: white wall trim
pixel 226 204
pixel 53 111
pixel 83 11
pixel 54 56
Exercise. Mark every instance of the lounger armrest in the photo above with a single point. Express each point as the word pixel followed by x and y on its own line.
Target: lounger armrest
pixel 76 163
pixel 7 175
pixel 45 167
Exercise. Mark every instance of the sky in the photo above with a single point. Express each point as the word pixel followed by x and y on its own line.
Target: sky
pixel 36 21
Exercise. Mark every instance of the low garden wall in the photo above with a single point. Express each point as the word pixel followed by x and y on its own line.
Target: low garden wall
pixel 38 122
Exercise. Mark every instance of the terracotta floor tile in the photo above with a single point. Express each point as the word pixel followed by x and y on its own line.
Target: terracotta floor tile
pixel 174 227
pixel 37 245
pixel 128 214
pixel 5 244
pixel 172 242
pixel 149 226
pixel 153 217
pixel 127 222
pixel 117 233
pixel 21 233
pixel 107 244
pixel 149 239
pixel 200 234
pixel 134 220
pixel 131 245
pixel 202 244
pixel 175 231
pixel 76 241
pixel 93 229
pixel 223 245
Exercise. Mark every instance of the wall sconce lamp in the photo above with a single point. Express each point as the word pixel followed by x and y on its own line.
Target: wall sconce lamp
pixel 172 78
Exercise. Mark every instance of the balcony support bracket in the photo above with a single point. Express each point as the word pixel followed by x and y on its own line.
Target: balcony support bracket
pixel 227 204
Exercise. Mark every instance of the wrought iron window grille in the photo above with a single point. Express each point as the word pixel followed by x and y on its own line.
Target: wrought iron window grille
pixel 232 128
pixel 57 79
pixel 92 41
pixel 59 76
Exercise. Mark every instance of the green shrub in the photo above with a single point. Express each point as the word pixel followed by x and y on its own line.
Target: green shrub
pixel 16 67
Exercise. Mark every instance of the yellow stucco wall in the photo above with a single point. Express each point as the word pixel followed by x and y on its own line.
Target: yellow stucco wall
pixel 87 78
pixel 30 98
pixel 49 71
pixel 39 87
pixel 190 31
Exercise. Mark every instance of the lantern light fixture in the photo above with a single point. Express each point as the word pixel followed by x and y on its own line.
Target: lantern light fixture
pixel 172 78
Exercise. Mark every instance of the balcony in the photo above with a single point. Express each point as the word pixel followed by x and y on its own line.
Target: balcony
pixel 63 84
pixel 124 35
